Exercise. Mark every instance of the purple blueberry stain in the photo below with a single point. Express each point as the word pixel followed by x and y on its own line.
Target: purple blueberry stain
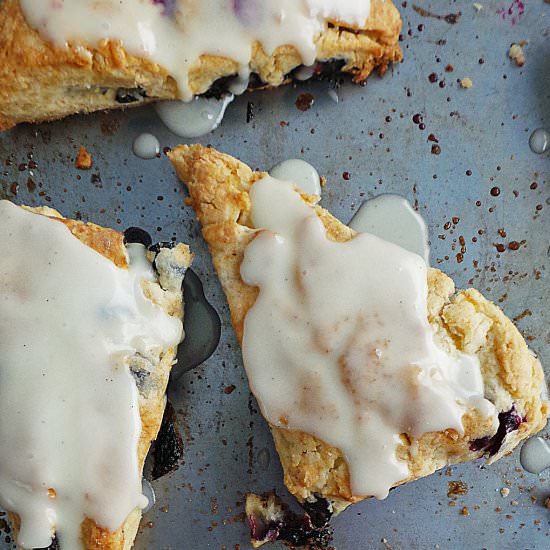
pixel 248 12
pixel 292 529
pixel 169 6
pixel 513 13
pixel 508 421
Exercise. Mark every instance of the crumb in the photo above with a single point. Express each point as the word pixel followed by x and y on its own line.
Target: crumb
pixel 452 503
pixel 466 83
pixel 465 511
pixel 83 159
pixel 516 54
pixel 323 181
pixel 514 502
pixel 505 491
pixel 477 6
pixel 188 201
pixel 229 389
pixel 547 503
pixel 456 488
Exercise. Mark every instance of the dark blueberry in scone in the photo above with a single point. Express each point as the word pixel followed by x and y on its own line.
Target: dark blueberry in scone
pixel 138 235
pixel 508 421
pixel 270 520
pixel 167 450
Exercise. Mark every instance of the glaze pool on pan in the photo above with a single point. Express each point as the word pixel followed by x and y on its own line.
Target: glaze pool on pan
pixel 483 131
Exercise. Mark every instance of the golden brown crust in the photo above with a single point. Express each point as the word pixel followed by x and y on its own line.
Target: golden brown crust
pixel 110 244
pixel 218 185
pixel 43 82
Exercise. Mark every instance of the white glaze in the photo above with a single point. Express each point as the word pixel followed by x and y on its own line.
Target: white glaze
pixel 149 493
pixel 304 73
pixel 391 217
pixel 175 40
pixel 333 94
pixel 299 172
pixel 535 455
pixel 69 417
pixel 193 119
pixel 338 343
pixel 539 141
pixel 146 146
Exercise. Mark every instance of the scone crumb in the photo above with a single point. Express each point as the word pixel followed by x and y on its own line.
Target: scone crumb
pixel 83 159
pixel 466 83
pixel 465 511
pixel 477 6
pixel 456 488
pixel 547 503
pixel 517 54
pixel 514 502
pixel 505 492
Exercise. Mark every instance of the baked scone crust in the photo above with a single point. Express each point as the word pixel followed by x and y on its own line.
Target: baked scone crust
pixel 42 82
pixel 110 244
pixel 219 188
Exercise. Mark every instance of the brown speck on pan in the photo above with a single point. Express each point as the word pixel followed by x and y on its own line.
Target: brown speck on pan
pixel 110 127
pixel 455 488
pixel 304 101
pixel 524 313
pixel 465 511
pixel 83 159
pixel 229 389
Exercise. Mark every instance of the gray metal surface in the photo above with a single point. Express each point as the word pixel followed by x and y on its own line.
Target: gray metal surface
pixel 370 134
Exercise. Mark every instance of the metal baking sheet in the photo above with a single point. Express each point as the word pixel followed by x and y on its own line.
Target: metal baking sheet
pixel 483 136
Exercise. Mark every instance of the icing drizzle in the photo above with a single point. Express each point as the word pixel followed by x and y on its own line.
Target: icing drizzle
pixel 338 343
pixel 69 412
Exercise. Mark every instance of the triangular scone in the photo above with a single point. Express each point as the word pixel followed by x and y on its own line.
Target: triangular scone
pixel 151 373
pixel 513 378
pixel 42 81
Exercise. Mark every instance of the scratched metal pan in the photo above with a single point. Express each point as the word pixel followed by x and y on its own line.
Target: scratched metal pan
pixel 465 164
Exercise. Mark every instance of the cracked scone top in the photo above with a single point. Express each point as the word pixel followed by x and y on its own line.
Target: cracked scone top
pixel 71 322
pixel 176 33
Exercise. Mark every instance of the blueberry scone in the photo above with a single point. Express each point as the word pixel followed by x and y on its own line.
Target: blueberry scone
pixel 89 327
pixel 60 58
pixel 370 369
